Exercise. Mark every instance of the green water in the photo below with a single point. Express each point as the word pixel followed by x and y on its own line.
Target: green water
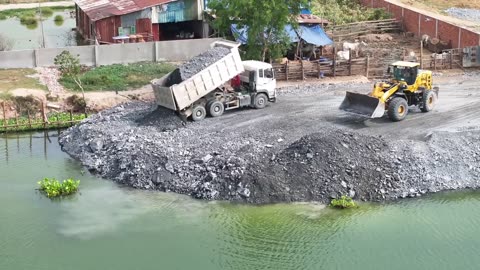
pixel 30 36
pixel 109 227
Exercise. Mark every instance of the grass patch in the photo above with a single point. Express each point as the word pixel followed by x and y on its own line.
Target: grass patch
pixel 343 203
pixel 3 17
pixel 32 12
pixel 11 79
pixel 53 188
pixel 58 18
pixel 119 77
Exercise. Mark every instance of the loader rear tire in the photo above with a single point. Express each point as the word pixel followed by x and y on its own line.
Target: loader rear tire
pixel 429 101
pixel 199 113
pixel 397 109
pixel 215 108
pixel 260 101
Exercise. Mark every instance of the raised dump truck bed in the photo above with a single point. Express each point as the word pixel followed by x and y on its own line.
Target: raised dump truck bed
pixel 180 97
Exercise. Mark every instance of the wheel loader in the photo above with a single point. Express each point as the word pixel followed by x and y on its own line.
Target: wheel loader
pixel 408 86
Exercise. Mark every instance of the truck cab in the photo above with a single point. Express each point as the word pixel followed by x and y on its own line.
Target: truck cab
pixel 260 77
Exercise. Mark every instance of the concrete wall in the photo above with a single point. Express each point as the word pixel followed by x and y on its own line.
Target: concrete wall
pixel 181 50
pixel 420 24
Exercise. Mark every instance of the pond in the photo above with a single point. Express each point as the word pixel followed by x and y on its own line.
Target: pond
pixel 111 227
pixel 57 34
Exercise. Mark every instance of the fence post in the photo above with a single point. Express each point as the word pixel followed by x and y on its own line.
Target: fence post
pixel 318 70
pixel 35 57
pixel 334 61
pixel 421 54
pixel 29 120
pixel 95 55
pixel 350 62
pixel 71 117
pixel 286 71
pixel 303 70
pixel 155 50
pixel 451 59
pixel 368 66
pixel 4 116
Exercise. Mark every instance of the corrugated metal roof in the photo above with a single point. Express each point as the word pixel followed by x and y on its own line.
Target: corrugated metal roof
pixel 100 9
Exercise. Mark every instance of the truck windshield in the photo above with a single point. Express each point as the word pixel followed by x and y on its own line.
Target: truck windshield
pixel 269 73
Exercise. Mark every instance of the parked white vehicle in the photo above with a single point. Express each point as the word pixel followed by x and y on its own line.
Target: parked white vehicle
pixel 207 93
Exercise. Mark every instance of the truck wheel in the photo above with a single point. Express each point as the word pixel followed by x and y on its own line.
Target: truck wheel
pixel 260 101
pixel 199 113
pixel 429 101
pixel 216 108
pixel 397 109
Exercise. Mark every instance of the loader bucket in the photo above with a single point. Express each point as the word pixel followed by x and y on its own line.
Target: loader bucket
pixel 363 105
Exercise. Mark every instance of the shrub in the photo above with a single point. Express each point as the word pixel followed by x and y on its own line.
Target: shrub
pixel 3 17
pixel 343 202
pixel 58 18
pixel 53 188
pixel 77 103
pixel 46 12
pixel 25 105
pixel 28 20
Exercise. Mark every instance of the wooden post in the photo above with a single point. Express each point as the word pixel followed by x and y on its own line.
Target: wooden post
pixel 71 118
pixel 286 71
pixel 44 117
pixel 29 120
pixel 303 70
pixel 334 61
pixel 16 121
pixel 451 59
pixel 350 62
pixel 435 62
pixel 4 116
pixel 421 54
pixel 368 66
pixel 318 69
pixel 404 54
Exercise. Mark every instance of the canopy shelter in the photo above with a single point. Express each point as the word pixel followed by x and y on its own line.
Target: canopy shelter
pixel 314 35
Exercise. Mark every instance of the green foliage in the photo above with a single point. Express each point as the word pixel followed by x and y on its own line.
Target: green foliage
pixel 266 21
pixel 28 20
pixel 346 11
pixel 343 202
pixel 53 188
pixel 58 18
pixel 68 64
pixel 46 12
pixel 31 12
pixel 57 121
pixel 3 17
pixel 118 77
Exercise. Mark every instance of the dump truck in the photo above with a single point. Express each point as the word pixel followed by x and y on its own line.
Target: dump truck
pixel 209 92
pixel 409 86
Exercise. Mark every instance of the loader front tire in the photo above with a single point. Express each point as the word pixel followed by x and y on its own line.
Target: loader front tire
pixel 199 113
pixel 429 101
pixel 397 109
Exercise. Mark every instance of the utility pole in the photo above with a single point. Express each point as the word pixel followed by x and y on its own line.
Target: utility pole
pixel 41 24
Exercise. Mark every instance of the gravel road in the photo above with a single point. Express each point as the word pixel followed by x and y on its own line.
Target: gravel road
pixel 300 149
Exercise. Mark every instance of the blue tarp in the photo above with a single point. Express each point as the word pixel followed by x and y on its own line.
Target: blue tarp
pixel 313 34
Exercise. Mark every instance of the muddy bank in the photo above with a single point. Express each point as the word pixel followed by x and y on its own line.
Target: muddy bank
pixel 265 156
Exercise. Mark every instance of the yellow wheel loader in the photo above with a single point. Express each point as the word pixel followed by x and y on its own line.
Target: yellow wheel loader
pixel 410 86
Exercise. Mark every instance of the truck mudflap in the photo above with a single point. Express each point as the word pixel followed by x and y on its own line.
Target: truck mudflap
pixel 363 105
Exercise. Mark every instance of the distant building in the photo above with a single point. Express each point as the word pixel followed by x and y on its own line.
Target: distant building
pixel 113 21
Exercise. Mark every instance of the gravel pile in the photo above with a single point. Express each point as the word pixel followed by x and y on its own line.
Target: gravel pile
pixel 464 13
pixel 197 64
pixel 141 146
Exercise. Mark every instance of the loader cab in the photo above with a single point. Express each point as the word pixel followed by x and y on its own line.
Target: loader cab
pixel 260 77
pixel 405 71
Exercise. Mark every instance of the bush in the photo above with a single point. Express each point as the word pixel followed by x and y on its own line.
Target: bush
pixel 46 12
pixel 53 188
pixel 58 18
pixel 77 103
pixel 28 20
pixel 25 105
pixel 343 202
pixel 3 17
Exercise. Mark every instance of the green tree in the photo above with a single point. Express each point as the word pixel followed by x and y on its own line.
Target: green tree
pixel 266 21
pixel 70 67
